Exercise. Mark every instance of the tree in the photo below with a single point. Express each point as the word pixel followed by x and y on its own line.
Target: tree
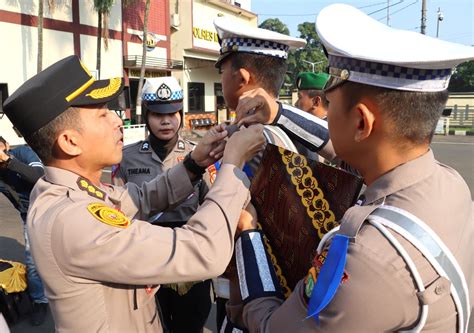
pixel 301 60
pixel 276 25
pixel 463 78
pixel 51 5
pixel 102 7
pixel 142 69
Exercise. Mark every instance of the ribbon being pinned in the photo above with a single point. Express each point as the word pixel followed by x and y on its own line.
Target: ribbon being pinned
pixel 329 277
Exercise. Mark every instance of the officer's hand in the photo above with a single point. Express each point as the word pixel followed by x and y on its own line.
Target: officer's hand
pixel 256 107
pixel 243 145
pixel 211 147
pixel 248 219
pixel 3 153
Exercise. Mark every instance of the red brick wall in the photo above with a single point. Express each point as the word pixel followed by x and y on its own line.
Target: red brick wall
pixel 157 20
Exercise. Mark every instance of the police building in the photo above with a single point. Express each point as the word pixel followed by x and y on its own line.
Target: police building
pixel 181 42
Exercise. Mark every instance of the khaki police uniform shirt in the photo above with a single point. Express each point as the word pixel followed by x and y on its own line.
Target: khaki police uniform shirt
pixel 101 265
pixel 379 294
pixel 141 164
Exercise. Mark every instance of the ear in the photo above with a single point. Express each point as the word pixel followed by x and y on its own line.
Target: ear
pixel 316 101
pixel 365 121
pixel 245 76
pixel 69 142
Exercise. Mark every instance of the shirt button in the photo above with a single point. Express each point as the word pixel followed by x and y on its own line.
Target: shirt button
pixel 439 290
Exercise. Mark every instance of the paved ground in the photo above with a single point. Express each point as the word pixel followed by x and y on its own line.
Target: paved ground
pixel 455 151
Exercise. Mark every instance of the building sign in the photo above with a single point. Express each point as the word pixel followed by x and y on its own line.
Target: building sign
pixel 204 33
pixel 151 40
pixel 210 36
pixel 136 73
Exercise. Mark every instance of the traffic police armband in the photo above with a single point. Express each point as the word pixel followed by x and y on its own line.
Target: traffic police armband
pixel 192 166
pixel 257 277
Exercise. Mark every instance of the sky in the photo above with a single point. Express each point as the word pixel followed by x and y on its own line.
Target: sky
pixel 457 25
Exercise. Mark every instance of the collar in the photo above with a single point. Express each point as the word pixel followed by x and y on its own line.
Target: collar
pixel 73 181
pixel 403 176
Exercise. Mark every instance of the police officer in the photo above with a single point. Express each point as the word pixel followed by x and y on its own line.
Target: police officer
pixel 246 55
pixel 401 259
pixel 101 264
pixel 184 306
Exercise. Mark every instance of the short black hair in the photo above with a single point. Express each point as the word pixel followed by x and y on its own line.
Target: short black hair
pixel 269 71
pixel 2 140
pixel 43 141
pixel 317 93
pixel 412 114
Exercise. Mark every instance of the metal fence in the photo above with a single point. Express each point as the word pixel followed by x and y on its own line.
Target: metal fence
pixel 462 116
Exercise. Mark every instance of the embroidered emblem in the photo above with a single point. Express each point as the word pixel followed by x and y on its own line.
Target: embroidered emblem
pixel 313 273
pixel 163 92
pixel 145 146
pixel 181 145
pixel 112 88
pixel 138 171
pixel 90 189
pixel 108 215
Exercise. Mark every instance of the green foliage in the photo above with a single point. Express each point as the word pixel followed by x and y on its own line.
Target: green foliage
pixel 463 78
pixel 312 53
pixel 276 25
pixel 103 6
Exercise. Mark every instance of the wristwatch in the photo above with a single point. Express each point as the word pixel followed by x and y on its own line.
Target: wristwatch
pixel 192 166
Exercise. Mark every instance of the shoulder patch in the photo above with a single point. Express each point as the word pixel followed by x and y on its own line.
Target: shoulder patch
pixel 108 215
pixel 212 170
pixel 92 190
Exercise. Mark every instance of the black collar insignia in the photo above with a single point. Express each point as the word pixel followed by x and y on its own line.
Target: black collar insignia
pixel 92 190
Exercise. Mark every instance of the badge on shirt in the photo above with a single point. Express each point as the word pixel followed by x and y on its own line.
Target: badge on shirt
pixel 108 215
pixel 91 189
pixel 181 145
pixel 145 146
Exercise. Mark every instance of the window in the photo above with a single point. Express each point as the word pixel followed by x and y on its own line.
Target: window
pixel 196 97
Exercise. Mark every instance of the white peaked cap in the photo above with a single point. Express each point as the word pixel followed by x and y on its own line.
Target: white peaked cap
pixel 238 37
pixel 361 49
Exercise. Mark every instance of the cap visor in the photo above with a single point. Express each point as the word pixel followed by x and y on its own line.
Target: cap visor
pixel 164 107
pixel 99 92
